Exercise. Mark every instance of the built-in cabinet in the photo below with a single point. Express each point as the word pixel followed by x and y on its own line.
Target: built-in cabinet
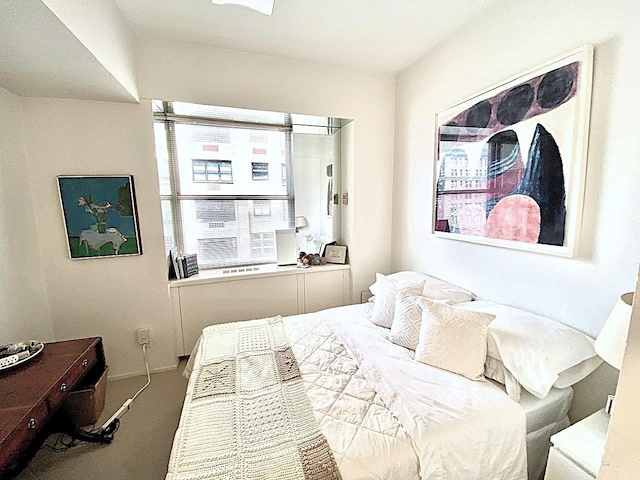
pixel 214 297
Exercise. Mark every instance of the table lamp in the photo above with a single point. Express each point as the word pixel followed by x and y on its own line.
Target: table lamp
pixel 301 222
pixel 612 341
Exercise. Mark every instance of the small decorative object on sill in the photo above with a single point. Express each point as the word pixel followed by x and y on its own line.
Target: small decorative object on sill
pixel 336 254
pixel 309 259
pixel 174 271
pixel 190 265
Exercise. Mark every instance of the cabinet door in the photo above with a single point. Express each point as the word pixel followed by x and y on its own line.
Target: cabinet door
pixel 323 290
pixel 560 467
pixel 213 303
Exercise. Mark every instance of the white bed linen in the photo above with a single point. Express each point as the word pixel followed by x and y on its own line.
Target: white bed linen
pixel 544 417
pixel 368 443
pixel 551 409
pixel 457 428
pixel 461 428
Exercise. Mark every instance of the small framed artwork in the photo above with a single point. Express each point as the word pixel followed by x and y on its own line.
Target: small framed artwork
pixel 100 216
pixel 510 161
pixel 336 253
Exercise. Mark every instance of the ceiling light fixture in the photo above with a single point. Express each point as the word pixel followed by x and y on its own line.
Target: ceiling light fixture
pixel 263 6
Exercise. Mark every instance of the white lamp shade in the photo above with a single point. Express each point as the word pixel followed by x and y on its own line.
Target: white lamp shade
pixel 301 222
pixel 262 6
pixel 612 341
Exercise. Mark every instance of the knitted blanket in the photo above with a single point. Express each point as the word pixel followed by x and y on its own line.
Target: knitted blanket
pixel 247 415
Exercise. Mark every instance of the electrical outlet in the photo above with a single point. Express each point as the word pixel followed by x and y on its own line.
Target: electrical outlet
pixel 144 336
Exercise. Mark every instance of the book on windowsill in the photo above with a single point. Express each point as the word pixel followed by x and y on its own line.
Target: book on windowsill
pixel 173 264
pixel 190 265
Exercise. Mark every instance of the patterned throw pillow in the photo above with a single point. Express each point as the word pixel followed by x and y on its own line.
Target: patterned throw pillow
pixel 405 330
pixel 453 339
pixel 384 304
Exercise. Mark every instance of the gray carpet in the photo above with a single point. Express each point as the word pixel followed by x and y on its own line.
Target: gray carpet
pixel 141 447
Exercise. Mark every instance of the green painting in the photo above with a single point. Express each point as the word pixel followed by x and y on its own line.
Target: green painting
pixel 100 216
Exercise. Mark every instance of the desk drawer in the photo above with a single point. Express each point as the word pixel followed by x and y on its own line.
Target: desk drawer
pixel 24 433
pixel 71 378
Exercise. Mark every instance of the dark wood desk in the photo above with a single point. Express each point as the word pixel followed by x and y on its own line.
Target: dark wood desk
pixel 32 392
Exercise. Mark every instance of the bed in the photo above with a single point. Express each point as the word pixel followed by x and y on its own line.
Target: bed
pixel 383 414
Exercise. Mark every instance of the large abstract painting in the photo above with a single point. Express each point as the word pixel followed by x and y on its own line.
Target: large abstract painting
pixel 100 216
pixel 510 161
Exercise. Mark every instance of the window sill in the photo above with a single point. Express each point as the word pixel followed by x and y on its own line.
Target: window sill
pixel 272 270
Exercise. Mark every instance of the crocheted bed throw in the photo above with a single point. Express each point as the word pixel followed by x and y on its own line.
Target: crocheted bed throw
pixel 247 415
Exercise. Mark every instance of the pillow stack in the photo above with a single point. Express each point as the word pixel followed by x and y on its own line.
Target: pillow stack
pixel 479 339
pixel 538 352
pixel 442 336
pixel 384 305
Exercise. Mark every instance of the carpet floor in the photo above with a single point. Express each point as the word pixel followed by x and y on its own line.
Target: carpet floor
pixel 141 446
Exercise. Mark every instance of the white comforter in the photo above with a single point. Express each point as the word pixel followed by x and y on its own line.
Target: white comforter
pixel 460 429
pixel 387 416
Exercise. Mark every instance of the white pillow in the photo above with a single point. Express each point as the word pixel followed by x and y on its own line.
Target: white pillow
pixel 496 370
pixel 434 288
pixel 535 349
pixel 407 317
pixel 453 339
pixel 384 304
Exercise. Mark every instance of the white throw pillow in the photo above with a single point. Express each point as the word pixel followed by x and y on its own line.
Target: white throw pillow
pixel 407 317
pixel 453 339
pixel 538 351
pixel 384 304
pixel 434 288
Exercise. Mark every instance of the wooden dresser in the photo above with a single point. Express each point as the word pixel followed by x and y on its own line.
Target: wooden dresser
pixel 33 391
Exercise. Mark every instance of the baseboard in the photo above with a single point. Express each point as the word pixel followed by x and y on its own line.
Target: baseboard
pixel 143 372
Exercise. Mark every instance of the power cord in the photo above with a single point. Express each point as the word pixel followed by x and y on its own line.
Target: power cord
pixel 127 404
pixel 105 433
pixel 146 364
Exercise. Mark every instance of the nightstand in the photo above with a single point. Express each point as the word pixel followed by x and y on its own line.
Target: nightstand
pixel 577 450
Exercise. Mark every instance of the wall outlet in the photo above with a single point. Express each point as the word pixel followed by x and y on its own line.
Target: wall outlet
pixel 144 336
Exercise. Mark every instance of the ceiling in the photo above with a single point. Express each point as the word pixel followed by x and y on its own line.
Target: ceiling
pixel 378 35
pixel 40 57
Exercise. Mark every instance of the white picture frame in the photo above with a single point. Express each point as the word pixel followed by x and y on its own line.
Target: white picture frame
pixel 463 194
pixel 336 254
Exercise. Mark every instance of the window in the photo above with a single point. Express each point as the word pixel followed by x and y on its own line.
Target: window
pixel 263 244
pixel 216 250
pixel 206 163
pixel 261 208
pixel 259 171
pixel 212 171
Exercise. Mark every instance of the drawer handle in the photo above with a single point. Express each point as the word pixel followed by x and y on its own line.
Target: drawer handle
pixel 85 362
pixel 32 424
pixel 63 387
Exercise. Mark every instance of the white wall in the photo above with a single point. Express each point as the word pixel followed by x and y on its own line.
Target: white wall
pixel 109 297
pixel 201 74
pixel 102 29
pixel 24 309
pixel 508 38
pixel 112 297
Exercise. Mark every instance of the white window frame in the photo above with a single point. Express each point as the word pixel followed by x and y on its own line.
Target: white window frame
pixel 166 116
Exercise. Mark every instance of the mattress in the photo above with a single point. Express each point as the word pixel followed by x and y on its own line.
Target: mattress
pixel 551 409
pixel 386 416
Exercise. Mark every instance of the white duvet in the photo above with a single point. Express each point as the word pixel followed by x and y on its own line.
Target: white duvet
pixel 387 416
